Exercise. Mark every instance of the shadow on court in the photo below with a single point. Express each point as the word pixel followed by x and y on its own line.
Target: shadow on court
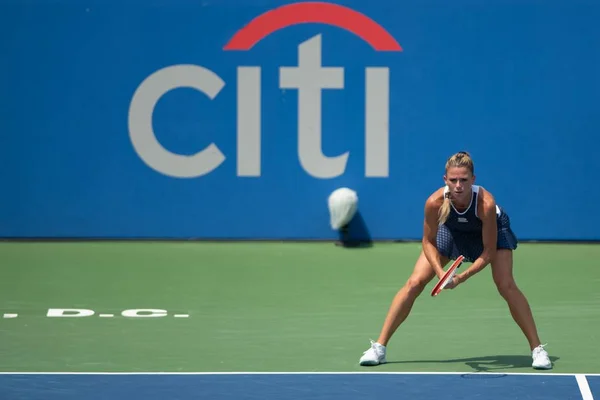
pixel 355 235
pixel 484 363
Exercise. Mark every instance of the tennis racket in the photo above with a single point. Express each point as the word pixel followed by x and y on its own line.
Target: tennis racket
pixel 447 276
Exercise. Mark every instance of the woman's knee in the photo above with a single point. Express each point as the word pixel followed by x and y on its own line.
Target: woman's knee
pixel 422 274
pixel 507 288
pixel 502 267
pixel 415 285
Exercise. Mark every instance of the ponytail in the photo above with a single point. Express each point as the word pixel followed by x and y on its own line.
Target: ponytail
pixel 444 209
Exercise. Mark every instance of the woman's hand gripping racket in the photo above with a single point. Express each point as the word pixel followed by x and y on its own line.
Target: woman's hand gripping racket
pixel 447 278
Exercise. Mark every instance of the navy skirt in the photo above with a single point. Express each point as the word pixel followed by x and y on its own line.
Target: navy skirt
pixel 451 244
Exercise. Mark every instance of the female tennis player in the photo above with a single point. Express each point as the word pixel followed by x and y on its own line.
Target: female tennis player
pixel 462 219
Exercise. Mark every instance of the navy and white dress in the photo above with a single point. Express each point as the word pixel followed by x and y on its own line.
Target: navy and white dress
pixel 461 233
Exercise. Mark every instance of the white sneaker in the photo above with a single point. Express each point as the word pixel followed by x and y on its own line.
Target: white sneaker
pixel 374 356
pixel 540 358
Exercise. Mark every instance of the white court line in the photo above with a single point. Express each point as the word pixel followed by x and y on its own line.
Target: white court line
pixel 303 373
pixel 584 387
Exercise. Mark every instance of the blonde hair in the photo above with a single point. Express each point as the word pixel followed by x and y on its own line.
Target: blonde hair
pixel 460 159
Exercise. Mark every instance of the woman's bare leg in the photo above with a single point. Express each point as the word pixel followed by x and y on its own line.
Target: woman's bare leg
pixel 406 296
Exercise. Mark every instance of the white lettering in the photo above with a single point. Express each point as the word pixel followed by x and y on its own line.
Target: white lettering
pixel 144 313
pixel 377 109
pixel 248 121
pixel 140 121
pixel 69 312
pixel 310 78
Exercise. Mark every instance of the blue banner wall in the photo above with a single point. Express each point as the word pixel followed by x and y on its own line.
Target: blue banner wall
pixel 236 119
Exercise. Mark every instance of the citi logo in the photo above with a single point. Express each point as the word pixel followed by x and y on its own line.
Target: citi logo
pixel 309 78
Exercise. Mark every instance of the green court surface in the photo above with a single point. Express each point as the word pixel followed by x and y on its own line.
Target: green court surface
pixel 259 306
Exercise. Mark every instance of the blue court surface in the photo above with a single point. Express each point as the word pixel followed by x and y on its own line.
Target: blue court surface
pixel 296 386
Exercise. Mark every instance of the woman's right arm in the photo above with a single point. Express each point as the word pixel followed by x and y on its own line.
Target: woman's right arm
pixel 430 227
